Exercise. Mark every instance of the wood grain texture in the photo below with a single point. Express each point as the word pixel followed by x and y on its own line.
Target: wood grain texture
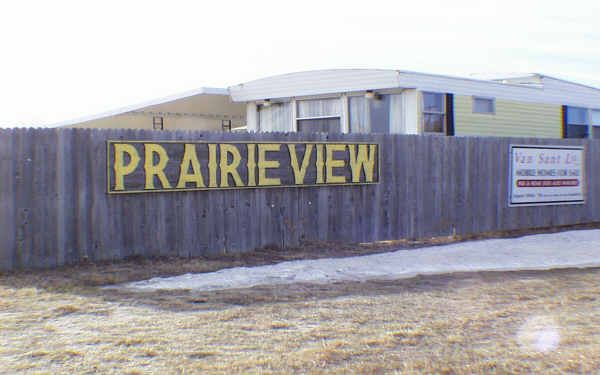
pixel 55 208
pixel 8 187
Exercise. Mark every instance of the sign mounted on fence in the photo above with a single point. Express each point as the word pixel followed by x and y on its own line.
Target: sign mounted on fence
pixel 151 166
pixel 546 175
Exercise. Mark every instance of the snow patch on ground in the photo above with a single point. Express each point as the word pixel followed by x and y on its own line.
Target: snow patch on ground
pixel 536 252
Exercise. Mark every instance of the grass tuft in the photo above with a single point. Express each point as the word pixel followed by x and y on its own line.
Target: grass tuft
pixel 532 322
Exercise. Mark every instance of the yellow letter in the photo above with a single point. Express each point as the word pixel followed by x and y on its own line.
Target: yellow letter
pixel 190 157
pixel 320 164
pixel 334 163
pixel 361 161
pixel 251 165
pixel 230 169
pixel 263 164
pixel 299 173
pixel 155 170
pixel 212 166
pixel 121 169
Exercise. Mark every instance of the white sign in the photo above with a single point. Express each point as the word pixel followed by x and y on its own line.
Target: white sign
pixel 544 175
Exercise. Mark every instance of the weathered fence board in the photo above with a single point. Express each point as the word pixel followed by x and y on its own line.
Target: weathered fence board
pixel 55 208
pixel 7 206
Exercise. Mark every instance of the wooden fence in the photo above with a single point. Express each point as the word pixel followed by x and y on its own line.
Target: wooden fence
pixel 54 206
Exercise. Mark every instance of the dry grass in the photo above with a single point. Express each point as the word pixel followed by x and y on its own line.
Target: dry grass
pixel 462 324
pixel 492 323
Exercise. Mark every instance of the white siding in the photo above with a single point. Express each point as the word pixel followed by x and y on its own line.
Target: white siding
pixel 397 114
pixel 345 117
pixel 252 117
pixel 412 114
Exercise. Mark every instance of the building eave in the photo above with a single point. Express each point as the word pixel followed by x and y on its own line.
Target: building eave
pixel 136 107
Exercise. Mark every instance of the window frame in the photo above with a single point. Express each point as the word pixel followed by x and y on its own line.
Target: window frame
pixel 158 123
pixel 301 119
pixel 297 119
pixel 595 127
pixel 592 111
pixel 587 122
pixel 491 99
pixel 424 112
pixel 585 112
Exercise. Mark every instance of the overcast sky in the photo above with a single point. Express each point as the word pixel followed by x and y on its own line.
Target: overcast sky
pixel 67 59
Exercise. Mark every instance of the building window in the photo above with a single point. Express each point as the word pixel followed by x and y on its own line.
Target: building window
pixel 157 123
pixel 226 125
pixel 596 123
pixel 319 115
pixel 484 105
pixel 379 113
pixel 576 124
pixel 434 113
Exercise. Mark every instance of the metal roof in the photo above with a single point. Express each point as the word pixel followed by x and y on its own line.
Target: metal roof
pixel 135 107
pixel 335 81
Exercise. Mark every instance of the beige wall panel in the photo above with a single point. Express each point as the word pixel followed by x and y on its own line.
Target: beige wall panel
pixel 117 122
pixel 202 104
pixel 192 123
pixel 199 112
pixel 512 119
pixel 137 121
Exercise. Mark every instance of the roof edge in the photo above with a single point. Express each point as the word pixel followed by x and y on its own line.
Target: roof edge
pixel 240 87
pixel 566 80
pixel 134 107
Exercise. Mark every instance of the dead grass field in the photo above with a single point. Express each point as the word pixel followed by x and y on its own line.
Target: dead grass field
pixel 58 321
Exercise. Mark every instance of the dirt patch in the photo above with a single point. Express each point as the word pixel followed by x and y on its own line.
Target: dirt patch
pixel 58 321
pixel 499 322
pixel 83 276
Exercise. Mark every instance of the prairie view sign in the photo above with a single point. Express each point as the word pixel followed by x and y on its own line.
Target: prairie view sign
pixel 149 166
pixel 542 175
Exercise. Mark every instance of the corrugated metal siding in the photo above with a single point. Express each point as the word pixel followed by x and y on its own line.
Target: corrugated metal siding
pixel 511 119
